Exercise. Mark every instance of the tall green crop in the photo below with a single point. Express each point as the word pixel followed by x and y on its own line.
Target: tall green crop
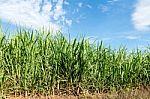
pixel 36 62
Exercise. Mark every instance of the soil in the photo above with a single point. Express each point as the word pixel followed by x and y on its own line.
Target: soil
pixel 138 93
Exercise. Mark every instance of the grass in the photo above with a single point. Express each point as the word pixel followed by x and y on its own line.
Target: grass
pixel 36 62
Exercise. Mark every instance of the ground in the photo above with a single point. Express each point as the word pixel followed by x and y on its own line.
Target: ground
pixel 138 93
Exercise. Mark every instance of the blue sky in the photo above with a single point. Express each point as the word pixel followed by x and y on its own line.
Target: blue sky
pixel 116 22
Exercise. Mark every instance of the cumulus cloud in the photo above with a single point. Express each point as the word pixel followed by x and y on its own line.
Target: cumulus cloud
pixel 33 13
pixel 141 15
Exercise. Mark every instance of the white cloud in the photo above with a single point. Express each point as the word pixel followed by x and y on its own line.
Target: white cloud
pixel 104 8
pixel 112 2
pixel 89 6
pixel 33 13
pixel 107 39
pixel 80 4
pixel 115 0
pixel 141 15
pixel 66 3
pixel 132 37
pixel 58 11
pixel 69 22
pixel 80 18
